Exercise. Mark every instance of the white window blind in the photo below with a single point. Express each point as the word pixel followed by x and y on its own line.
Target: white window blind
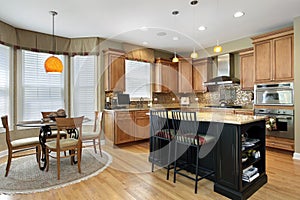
pixel 39 91
pixel 5 67
pixel 138 79
pixel 84 86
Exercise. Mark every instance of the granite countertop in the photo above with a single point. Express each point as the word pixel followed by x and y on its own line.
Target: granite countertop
pixel 227 118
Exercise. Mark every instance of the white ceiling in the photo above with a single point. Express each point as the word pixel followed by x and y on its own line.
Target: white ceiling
pixel 123 19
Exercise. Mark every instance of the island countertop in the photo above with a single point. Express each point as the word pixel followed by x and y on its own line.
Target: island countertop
pixel 227 118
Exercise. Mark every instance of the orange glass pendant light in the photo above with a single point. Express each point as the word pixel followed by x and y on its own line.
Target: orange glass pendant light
pixel 53 64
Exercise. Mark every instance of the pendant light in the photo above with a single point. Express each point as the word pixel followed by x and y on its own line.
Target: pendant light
pixel 53 64
pixel 175 59
pixel 194 54
pixel 218 48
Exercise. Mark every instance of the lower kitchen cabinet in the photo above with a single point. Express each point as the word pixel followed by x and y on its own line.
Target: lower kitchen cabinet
pixel 280 143
pixel 124 126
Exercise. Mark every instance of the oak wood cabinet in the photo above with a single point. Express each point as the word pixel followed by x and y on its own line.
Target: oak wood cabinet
pixel 274 56
pixel 185 75
pixel 165 76
pixel 142 125
pixel 125 126
pixel 247 69
pixel 201 70
pixel 114 73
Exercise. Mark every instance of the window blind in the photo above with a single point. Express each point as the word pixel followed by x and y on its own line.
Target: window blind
pixel 84 86
pixel 39 91
pixel 138 79
pixel 5 67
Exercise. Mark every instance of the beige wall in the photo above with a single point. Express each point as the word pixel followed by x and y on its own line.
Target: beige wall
pixel 297 82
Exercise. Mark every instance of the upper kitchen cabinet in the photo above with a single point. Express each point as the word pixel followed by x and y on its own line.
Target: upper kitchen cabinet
pixel 185 75
pixel 114 74
pixel 247 69
pixel 165 76
pixel 201 68
pixel 274 56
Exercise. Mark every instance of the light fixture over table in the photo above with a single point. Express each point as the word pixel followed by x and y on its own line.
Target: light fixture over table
pixel 175 59
pixel 53 64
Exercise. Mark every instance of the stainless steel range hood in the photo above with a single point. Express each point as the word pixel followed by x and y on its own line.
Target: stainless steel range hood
pixel 225 71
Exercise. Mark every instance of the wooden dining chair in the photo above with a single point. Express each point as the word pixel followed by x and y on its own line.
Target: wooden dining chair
pixel 95 135
pixel 53 130
pixel 20 147
pixel 73 145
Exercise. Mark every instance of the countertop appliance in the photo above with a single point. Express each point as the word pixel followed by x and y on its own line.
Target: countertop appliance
pixel 279 122
pixel 274 94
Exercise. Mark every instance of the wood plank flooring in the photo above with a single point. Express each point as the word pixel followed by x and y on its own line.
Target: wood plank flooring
pixel 130 177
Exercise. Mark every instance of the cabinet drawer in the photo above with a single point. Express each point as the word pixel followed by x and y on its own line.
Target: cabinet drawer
pixel 125 114
pixel 141 113
pixel 280 143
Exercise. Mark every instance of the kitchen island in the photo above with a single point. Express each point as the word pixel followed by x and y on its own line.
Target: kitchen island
pixel 233 133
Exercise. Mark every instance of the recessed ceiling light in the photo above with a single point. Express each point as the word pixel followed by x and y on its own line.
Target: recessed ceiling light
pixel 175 38
pixel 202 28
pixel 193 2
pixel 161 34
pixel 175 12
pixel 238 14
pixel 145 43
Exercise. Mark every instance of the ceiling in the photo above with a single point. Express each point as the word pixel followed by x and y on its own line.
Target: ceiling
pixel 123 20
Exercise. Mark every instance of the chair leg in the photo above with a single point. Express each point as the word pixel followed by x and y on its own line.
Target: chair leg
pixel 197 166
pixel 169 160
pixel 175 160
pixel 47 159
pixel 94 144
pixel 8 162
pixel 38 155
pixel 58 164
pixel 99 143
pixel 79 159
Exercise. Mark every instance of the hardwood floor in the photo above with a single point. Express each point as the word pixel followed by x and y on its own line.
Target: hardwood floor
pixel 130 177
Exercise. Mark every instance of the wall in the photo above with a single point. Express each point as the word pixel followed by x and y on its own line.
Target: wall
pixel 297 82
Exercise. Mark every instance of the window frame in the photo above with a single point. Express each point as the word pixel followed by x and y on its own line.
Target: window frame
pixel 19 83
pixel 151 75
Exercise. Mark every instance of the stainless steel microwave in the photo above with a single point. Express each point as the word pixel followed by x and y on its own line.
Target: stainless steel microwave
pixel 274 94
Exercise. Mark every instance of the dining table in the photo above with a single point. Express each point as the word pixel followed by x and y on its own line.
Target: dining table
pixel 46 127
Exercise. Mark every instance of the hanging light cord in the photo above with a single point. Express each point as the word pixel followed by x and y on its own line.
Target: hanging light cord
pixel 53 42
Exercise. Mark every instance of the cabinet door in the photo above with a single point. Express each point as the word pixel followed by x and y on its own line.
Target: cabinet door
pixel 247 70
pixel 166 76
pixel 185 76
pixel 200 72
pixel 124 127
pixel 263 61
pixel 114 74
pixel 117 73
pixel 142 125
pixel 283 58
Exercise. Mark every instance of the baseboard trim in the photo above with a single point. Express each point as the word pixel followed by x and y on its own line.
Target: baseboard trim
pixel 296 156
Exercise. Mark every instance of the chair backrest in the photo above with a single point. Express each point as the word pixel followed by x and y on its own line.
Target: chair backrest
pixel 4 120
pixel 98 121
pixel 69 124
pixel 160 124
pixel 185 122
pixel 46 114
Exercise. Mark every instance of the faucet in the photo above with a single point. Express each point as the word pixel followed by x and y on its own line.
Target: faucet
pixel 140 103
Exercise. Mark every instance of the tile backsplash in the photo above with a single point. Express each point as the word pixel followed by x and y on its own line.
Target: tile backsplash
pixel 230 94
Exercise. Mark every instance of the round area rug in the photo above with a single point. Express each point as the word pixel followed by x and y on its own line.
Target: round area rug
pixel 25 177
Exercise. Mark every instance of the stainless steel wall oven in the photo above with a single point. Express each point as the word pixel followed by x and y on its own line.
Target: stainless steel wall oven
pixel 279 122
pixel 274 94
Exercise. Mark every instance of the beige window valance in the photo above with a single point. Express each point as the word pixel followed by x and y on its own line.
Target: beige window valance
pixel 134 52
pixel 43 42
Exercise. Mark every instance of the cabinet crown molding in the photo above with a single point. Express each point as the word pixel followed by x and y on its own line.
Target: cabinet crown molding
pixel 273 34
